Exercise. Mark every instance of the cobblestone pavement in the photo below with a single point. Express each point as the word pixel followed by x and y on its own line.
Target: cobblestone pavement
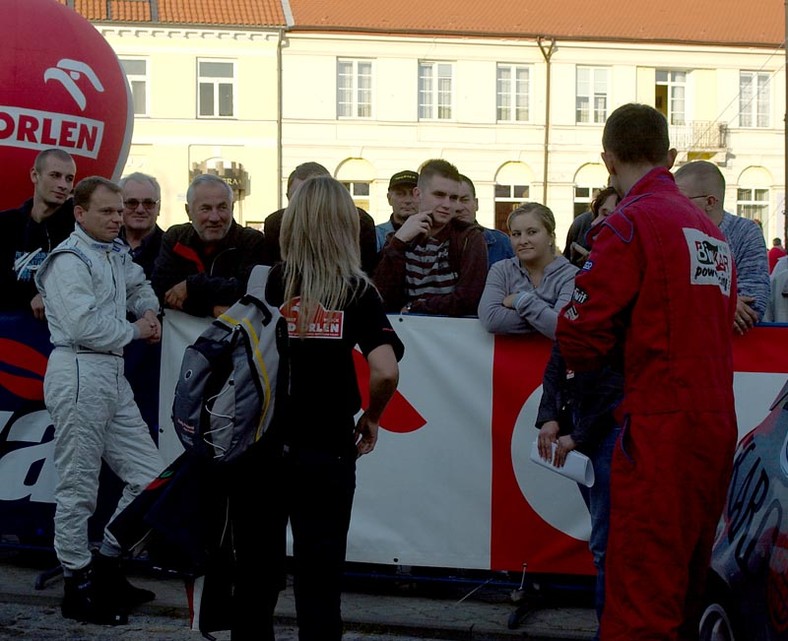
pixel 44 623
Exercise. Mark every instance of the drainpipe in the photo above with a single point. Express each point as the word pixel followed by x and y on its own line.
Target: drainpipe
pixel 279 110
pixel 547 53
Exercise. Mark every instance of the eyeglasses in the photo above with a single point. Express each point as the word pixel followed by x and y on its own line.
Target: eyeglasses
pixel 133 203
pixel 699 196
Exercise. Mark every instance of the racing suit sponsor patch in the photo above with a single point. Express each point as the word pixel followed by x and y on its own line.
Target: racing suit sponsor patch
pixel 710 260
pixel 580 296
pixel 570 313
pixel 587 266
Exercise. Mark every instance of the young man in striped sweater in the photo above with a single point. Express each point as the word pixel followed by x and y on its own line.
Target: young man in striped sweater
pixel 434 263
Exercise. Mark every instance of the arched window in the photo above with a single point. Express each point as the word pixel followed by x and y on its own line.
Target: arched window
pixel 512 188
pixel 590 179
pixel 357 175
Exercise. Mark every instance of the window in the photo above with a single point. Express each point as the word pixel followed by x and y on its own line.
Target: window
pixel 354 89
pixel 583 198
pixel 670 95
pixel 752 204
pixel 435 91
pixel 360 193
pixel 753 99
pixel 136 71
pixel 216 86
pixel 591 99
pixel 513 90
pixel 507 198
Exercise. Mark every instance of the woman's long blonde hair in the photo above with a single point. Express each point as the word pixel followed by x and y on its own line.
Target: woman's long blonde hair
pixel 320 246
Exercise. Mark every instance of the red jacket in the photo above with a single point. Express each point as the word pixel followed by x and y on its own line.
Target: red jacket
pixel 659 290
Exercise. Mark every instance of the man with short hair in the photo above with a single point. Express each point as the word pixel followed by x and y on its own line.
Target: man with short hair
pixel 434 263
pixel 656 298
pixel 33 230
pixel 141 203
pixel 403 203
pixel 88 284
pixel 703 183
pixel 499 246
pixel 273 222
pixel 204 264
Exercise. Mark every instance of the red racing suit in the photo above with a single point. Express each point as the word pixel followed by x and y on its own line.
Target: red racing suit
pixel 658 296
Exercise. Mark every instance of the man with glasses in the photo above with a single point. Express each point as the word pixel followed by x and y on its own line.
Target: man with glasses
pixel 141 202
pixel 33 230
pixel 703 183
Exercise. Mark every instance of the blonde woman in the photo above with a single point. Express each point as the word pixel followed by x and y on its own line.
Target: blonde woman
pixel 525 293
pixel 331 307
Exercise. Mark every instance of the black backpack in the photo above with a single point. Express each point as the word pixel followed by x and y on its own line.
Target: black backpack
pixel 233 378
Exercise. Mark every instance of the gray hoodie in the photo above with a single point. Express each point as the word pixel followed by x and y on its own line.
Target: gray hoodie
pixel 536 307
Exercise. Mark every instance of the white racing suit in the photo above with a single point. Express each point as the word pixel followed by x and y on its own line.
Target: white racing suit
pixel 87 287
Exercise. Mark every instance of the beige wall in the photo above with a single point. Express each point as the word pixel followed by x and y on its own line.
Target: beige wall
pixel 170 138
pixel 395 139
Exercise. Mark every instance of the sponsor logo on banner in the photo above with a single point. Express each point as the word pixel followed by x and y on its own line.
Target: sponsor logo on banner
pixel 323 324
pixel 63 88
pixel 39 130
pixel 710 260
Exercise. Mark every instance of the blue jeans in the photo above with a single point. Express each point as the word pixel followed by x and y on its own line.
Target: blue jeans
pixel 597 499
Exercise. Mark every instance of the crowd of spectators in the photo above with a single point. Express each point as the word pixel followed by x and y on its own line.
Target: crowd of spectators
pixel 430 257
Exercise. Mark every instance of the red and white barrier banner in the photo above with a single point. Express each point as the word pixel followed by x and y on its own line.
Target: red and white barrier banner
pixel 450 483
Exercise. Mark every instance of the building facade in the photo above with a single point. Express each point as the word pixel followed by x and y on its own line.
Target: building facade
pixel 368 90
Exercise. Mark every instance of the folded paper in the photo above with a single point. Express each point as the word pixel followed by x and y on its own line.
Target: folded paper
pixel 577 466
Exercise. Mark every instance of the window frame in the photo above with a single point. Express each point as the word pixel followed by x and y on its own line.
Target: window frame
pixel 511 92
pixel 505 205
pixel 751 108
pixel 355 89
pixel 672 84
pixel 361 200
pixel 750 207
pixel 134 77
pixel 435 92
pixel 216 81
pixel 595 115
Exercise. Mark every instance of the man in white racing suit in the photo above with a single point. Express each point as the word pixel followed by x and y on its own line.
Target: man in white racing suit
pixel 88 283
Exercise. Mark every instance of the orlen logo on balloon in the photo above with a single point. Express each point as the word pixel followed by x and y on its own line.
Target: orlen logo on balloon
pixel 35 129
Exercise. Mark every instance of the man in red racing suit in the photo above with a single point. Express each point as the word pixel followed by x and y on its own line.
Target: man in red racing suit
pixel 657 294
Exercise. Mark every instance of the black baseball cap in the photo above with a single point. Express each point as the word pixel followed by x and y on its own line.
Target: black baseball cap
pixel 404 178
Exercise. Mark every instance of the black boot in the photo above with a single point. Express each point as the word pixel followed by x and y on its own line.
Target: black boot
pixel 83 602
pixel 110 577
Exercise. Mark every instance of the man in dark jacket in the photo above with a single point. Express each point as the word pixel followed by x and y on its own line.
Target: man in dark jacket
pixel 141 203
pixel 204 264
pixel 273 223
pixel 33 230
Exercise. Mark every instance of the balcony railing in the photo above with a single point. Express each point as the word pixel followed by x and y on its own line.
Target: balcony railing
pixel 699 135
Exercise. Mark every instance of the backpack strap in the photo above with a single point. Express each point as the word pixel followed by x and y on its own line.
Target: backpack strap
pixel 258 279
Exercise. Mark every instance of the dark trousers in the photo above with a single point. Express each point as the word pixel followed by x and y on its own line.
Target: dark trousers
pixel 319 487
pixel 258 529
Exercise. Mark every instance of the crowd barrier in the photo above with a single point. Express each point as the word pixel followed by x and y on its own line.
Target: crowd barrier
pixel 450 483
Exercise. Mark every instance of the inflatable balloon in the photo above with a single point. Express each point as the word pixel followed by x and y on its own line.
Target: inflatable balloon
pixel 61 85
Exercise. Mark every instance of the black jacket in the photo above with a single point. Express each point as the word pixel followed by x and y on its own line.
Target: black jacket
pixel 22 238
pixel 212 278
pixel 367 237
